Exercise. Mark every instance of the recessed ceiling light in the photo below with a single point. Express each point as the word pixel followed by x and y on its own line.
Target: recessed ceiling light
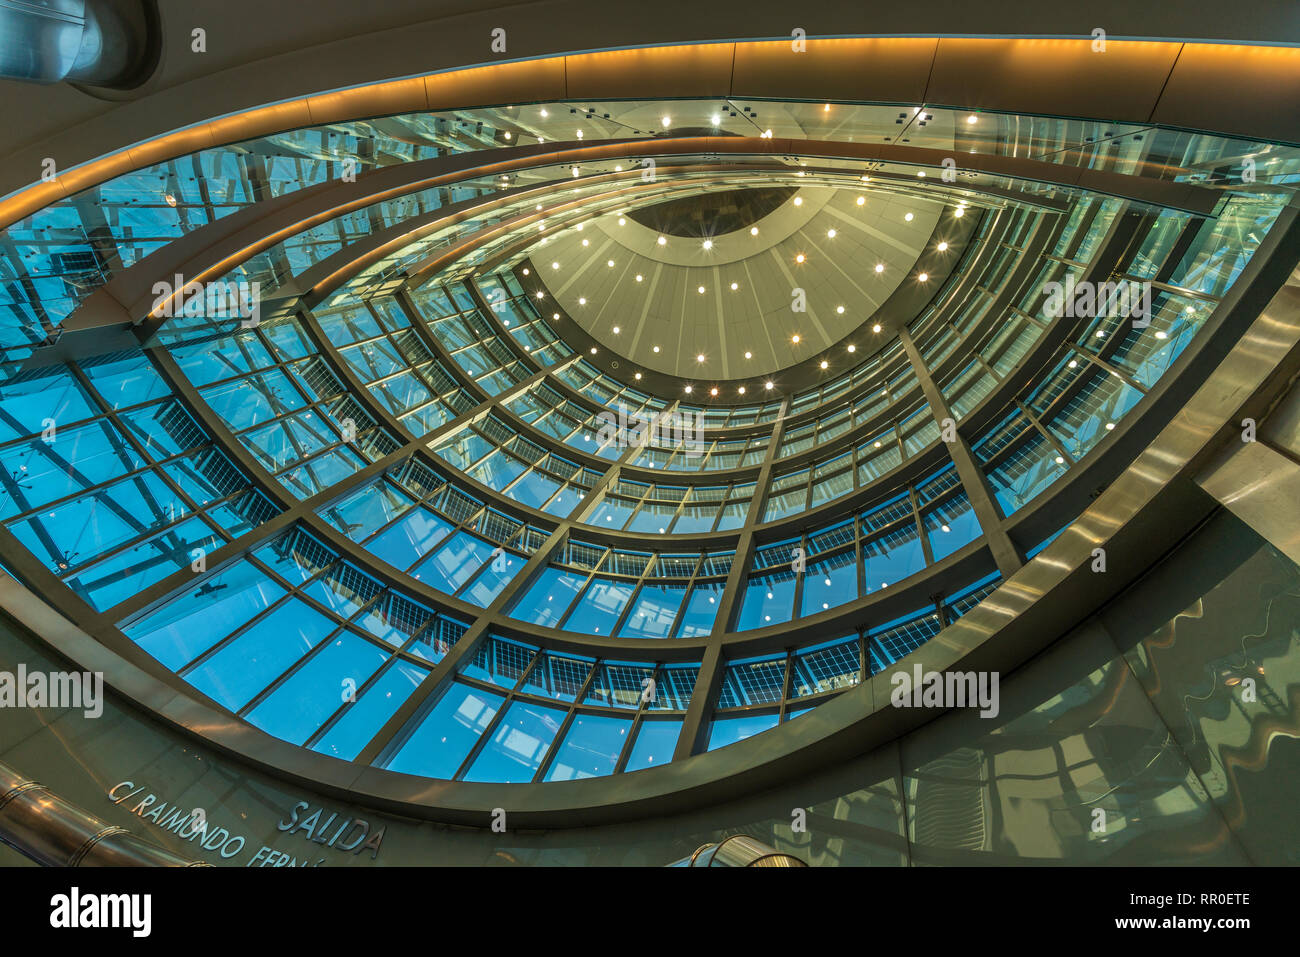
pixel 735 286
pixel 541 295
pixel 795 338
pixel 741 390
pixel 708 244
pixel 798 200
pixel 749 355
pixel 656 349
pixel 767 385
pixel 908 218
pixel 840 310
pixel 508 134
pixel 616 330
pixel 582 301
pixel 877 444
pixel 621 221
pixel 579 134
pixel 920 173
pixel 525 272
pixel 586 242
pixel 715 119
pixel 665 120
pixel 545 114
pixel 880 267
pixel 555 265
pixel 713 391
pixel 610 263
pixel 866 179
pixel 618 168
pixel 688 390
pixel 971 118
pixel 699 358
pixel 1109 426
pixel 958 212
pixel 538 206
pixel 826 108
pixel 593 350
pixel 1060 461
pixel 923 277
pixel 830 234
pixel 701 290
pixel 575 172
pixel 799 258
pixel 638 277
pixel 753 230
pixel 942 246
pixel 662 241
pixel 1072 363
pixel 1162 334
pixel 862 200
pixel 876 327
pixel 638 376
pixel 555 315
pixel 824 363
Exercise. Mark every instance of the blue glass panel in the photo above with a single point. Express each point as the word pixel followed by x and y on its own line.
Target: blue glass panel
pixel 727 731
pixel 548 598
pixel 367 715
pixel 892 557
pixel 193 622
pixel 829 584
pixel 655 742
pixel 493 577
pixel 654 612
pixel 700 610
pixel 768 600
pixel 590 749
pixel 409 538
pixel 26 403
pixel 319 688
pixel 951 527
pixel 439 745
pixel 248 664
pixel 451 565
pixel 116 579
pixel 517 745
pixel 358 515
pixel 126 380
pixel 598 610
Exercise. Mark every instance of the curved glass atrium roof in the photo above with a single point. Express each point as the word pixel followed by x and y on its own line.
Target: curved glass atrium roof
pixel 568 439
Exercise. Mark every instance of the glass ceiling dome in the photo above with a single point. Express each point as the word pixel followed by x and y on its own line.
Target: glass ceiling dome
pixel 552 440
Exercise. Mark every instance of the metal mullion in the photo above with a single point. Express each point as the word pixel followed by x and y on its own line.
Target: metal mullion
pixel 293 669
pixel 500 716
pixel 796 611
pixel 926 550
pixel 785 686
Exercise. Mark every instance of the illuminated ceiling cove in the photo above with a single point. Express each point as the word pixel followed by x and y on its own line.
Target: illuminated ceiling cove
pixel 384 465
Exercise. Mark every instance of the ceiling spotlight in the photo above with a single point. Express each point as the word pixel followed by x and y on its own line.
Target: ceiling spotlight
pixel 971 118
pixel 741 390
pixel 582 301
pixel 699 358
pixel 877 443
pixel 1072 364
pixel 765 135
pixel 545 114
pixel 923 277
pixel 579 134
pixel 586 242
pixel 593 350
pixel 525 271
pixel 921 173
pixel 575 172
pixel 610 263
pixel 701 290
pixel 876 327
pixel 715 119
pixel 541 295
pixel 799 258
pixel 866 179
pixel 555 315
pixel 622 221
pixel 555 265
pixel 1109 426
pixel 1162 334
pixel 656 349
pixel 824 363
pixel 638 277
pixel 795 338
pixel 768 386
pixel 616 330
pixel 852 347
pixel 840 310
pixel 942 247
pixel 688 390
pixel 662 241
pixel 798 200
pixel 830 234
pixel 958 212
pixel 665 120
pixel 753 230
pixel 880 267
pixel 735 286
pixel 708 244
pixel 1060 461
pixel 862 200
pixel 907 218
pixel 749 355
pixel 826 108
pixel 637 376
